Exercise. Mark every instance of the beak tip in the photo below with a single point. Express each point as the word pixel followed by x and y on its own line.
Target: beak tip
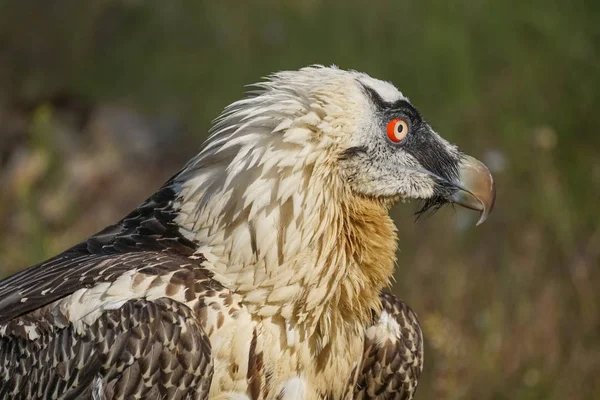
pixel 478 188
pixel 482 218
pixel 487 208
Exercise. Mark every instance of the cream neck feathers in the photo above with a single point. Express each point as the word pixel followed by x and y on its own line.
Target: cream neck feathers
pixel 268 206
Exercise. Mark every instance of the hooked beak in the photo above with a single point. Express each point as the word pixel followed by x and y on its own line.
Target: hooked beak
pixel 476 189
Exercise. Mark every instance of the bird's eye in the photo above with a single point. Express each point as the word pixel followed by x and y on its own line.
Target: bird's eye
pixel 397 130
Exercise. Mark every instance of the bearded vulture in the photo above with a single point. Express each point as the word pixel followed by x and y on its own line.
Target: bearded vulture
pixel 256 272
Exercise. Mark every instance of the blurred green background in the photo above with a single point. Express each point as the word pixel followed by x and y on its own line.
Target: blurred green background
pixel 101 101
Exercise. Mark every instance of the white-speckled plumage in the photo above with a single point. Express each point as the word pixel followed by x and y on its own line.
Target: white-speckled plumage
pixel 268 252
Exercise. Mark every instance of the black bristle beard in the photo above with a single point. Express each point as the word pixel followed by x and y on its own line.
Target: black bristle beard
pixel 430 206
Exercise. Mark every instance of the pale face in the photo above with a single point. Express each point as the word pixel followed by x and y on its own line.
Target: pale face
pixel 395 154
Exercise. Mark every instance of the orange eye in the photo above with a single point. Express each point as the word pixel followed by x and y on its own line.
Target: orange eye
pixel 397 130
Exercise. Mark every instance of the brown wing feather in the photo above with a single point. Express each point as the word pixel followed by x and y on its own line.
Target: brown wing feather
pixel 43 284
pixel 149 229
pixel 393 357
pixel 150 349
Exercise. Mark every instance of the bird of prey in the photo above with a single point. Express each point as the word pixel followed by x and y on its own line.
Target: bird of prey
pixel 256 272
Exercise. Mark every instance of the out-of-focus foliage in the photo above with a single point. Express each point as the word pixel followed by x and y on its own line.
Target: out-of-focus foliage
pixel 100 101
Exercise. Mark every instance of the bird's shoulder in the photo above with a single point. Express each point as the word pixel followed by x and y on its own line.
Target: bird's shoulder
pixel 129 306
pixel 146 240
pixel 393 353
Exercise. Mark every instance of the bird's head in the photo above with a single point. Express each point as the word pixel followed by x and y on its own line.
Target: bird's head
pixel 359 133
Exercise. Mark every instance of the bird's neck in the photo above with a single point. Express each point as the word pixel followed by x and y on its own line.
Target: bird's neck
pixel 313 256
